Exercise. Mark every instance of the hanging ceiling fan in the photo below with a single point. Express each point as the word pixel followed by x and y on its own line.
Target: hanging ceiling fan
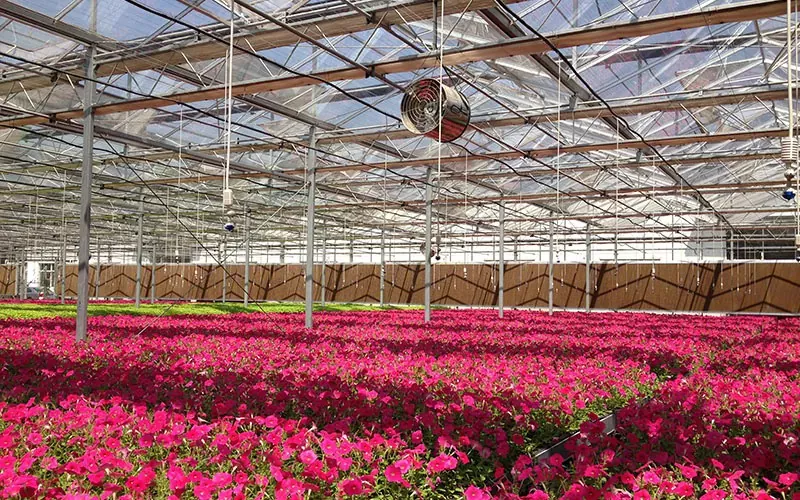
pixel 435 110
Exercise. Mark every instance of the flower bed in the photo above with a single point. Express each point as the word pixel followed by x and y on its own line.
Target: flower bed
pixel 378 404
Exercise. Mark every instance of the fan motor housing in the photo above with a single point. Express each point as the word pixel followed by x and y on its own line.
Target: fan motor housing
pixel 435 110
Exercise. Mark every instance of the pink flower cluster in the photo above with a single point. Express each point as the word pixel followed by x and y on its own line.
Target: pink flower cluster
pixel 379 404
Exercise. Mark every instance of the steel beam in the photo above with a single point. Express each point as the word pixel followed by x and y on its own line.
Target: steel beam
pixel 322 281
pixel 153 277
pixel 551 152
pixel 427 256
pixel 38 20
pixel 63 271
pixel 501 264
pixel 588 274
pixel 739 12
pixel 97 268
pixel 246 256
pixel 635 192
pixel 138 289
pixel 223 258
pixel 311 166
pixel 550 272
pixel 383 266
pixel 327 25
pixel 84 231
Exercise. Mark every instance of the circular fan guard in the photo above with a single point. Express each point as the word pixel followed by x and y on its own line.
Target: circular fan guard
pixel 427 103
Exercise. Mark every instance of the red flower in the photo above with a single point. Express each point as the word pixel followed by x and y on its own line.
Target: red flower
pixel 352 487
pixel 141 482
pixel 683 489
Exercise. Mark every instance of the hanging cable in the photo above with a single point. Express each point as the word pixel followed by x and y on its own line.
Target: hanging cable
pixel 227 194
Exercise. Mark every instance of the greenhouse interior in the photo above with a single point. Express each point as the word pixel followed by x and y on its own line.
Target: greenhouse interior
pixel 445 249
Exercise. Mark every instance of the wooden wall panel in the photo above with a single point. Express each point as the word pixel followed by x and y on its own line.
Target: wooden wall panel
pixel 735 287
pixel 8 280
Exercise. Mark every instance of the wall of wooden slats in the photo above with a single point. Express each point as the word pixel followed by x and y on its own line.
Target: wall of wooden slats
pixel 8 280
pixel 753 287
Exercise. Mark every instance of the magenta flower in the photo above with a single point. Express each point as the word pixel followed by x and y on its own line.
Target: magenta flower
pixel 442 463
pixel 308 457
pixel 475 493
pixel 393 474
pixel 141 482
pixel 351 487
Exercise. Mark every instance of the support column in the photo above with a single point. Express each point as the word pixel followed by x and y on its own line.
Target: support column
pixel 588 285
pixel 311 171
pixel 22 277
pixel 323 284
pixel 282 254
pixel 64 271
pixel 501 264
pixel 97 269
pixel 352 251
pixel 138 289
pixel 383 264
pixel 428 217
pixel 223 253
pixel 85 222
pixel 550 273
pixel 153 278
pixel 246 256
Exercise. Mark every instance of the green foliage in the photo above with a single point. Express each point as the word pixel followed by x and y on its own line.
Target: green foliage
pixel 32 310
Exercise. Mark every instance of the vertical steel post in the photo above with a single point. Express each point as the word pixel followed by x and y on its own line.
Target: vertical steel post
pixel 153 278
pixel 352 250
pixel 502 264
pixel 138 289
pixel 550 273
pixel 223 257
pixel 246 256
pixel 22 286
pixel 84 231
pixel 428 230
pixel 383 265
pixel 322 281
pixel 64 271
pixel 97 269
pixel 516 248
pixel 588 277
pixel 311 170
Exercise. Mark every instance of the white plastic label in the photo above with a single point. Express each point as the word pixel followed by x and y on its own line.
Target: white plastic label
pixel 227 197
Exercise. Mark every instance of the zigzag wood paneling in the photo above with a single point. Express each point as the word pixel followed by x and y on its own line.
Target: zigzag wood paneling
pixel 753 287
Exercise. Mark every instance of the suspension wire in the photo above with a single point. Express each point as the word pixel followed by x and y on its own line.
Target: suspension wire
pixel 199 242
pixel 258 56
pixel 180 162
pixel 467 151
pixel 398 174
pixel 618 118
pixel 229 106
pixel 282 141
pixel 791 117
pixel 558 146
pixel 296 143
pixel 616 204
